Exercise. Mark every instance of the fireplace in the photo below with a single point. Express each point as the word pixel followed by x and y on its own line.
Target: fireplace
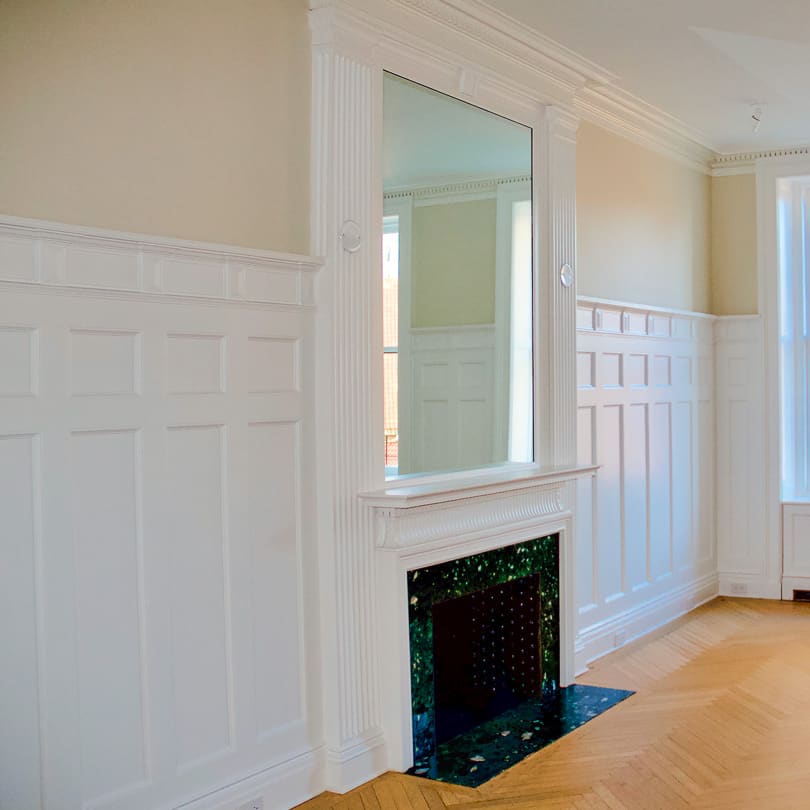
pixel 485 662
pixel 500 541
pixel 484 639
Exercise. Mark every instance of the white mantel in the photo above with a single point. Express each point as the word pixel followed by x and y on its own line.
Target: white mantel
pixel 367 543
pixel 427 524
pixel 458 509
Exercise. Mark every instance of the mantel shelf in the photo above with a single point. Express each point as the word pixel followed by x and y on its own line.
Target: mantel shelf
pixel 475 485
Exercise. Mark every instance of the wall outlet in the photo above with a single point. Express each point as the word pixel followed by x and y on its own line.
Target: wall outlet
pixel 253 804
pixel 739 588
pixel 619 638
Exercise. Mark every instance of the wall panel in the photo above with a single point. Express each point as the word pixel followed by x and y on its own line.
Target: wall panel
pixel 744 560
pixel 643 526
pixel 107 536
pixel 157 643
pixel 19 676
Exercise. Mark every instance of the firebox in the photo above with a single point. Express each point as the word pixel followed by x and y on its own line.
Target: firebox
pixel 484 637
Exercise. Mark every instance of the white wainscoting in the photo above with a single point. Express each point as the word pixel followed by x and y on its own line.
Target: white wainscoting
pixel 450 422
pixel 645 523
pixel 748 566
pixel 796 539
pixel 156 589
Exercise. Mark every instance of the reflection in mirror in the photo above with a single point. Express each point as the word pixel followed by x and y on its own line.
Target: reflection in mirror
pixel 457 284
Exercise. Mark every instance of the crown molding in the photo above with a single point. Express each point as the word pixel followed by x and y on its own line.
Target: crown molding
pixel 493 27
pixel 583 87
pixel 484 25
pixel 625 115
pixel 746 162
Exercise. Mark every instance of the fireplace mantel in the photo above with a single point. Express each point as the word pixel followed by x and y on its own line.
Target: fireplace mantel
pixel 459 509
pixel 424 523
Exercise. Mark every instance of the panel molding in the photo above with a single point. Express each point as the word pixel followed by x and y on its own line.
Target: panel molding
pixel 83 260
pixel 645 526
pixel 749 551
pixel 117 491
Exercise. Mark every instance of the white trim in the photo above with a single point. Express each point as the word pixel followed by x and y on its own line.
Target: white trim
pixel 581 85
pixel 769 171
pixel 610 303
pixel 626 115
pixel 600 639
pixel 394 563
pixel 733 163
pixel 789 584
pixel 54 257
pixel 417 493
pixel 436 44
pixel 103 237
pixel 280 786
pixel 451 190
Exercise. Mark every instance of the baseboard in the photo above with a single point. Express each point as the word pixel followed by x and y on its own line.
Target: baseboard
pixel 600 639
pixel 279 787
pixel 790 584
pixel 356 763
pixel 751 586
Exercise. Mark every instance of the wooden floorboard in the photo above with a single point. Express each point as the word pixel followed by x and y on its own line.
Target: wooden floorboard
pixel 720 719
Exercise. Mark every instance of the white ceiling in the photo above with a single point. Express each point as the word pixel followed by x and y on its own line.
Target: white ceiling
pixel 705 62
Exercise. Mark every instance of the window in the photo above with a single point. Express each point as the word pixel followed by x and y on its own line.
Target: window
pixel 794 335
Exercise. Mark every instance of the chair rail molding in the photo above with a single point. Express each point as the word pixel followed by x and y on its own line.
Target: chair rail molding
pixel 441 45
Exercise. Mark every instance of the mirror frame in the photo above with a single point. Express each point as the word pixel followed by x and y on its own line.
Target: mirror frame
pixel 542 120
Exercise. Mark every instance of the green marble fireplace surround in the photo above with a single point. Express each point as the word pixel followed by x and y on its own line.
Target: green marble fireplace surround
pixel 512 594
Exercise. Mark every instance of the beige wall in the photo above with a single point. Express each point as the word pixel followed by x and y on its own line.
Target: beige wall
pixel 643 225
pixel 187 118
pixel 453 264
pixel 734 245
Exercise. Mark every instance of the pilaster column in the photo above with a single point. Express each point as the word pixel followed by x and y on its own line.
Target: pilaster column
pixel 346 211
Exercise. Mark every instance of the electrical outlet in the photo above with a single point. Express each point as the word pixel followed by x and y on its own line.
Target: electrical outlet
pixel 619 638
pixel 739 589
pixel 253 804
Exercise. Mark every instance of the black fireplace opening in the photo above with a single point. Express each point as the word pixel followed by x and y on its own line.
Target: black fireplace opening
pixel 487 655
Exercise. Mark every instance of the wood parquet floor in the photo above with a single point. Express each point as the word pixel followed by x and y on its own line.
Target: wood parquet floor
pixel 720 719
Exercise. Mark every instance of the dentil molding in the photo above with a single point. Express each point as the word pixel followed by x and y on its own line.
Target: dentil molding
pixel 746 162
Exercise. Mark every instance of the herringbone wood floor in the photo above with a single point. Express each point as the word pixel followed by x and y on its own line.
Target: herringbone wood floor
pixel 721 719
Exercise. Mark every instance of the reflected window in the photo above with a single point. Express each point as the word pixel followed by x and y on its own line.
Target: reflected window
pixel 390 262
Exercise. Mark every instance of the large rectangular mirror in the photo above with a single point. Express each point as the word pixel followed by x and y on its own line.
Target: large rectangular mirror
pixel 457 284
